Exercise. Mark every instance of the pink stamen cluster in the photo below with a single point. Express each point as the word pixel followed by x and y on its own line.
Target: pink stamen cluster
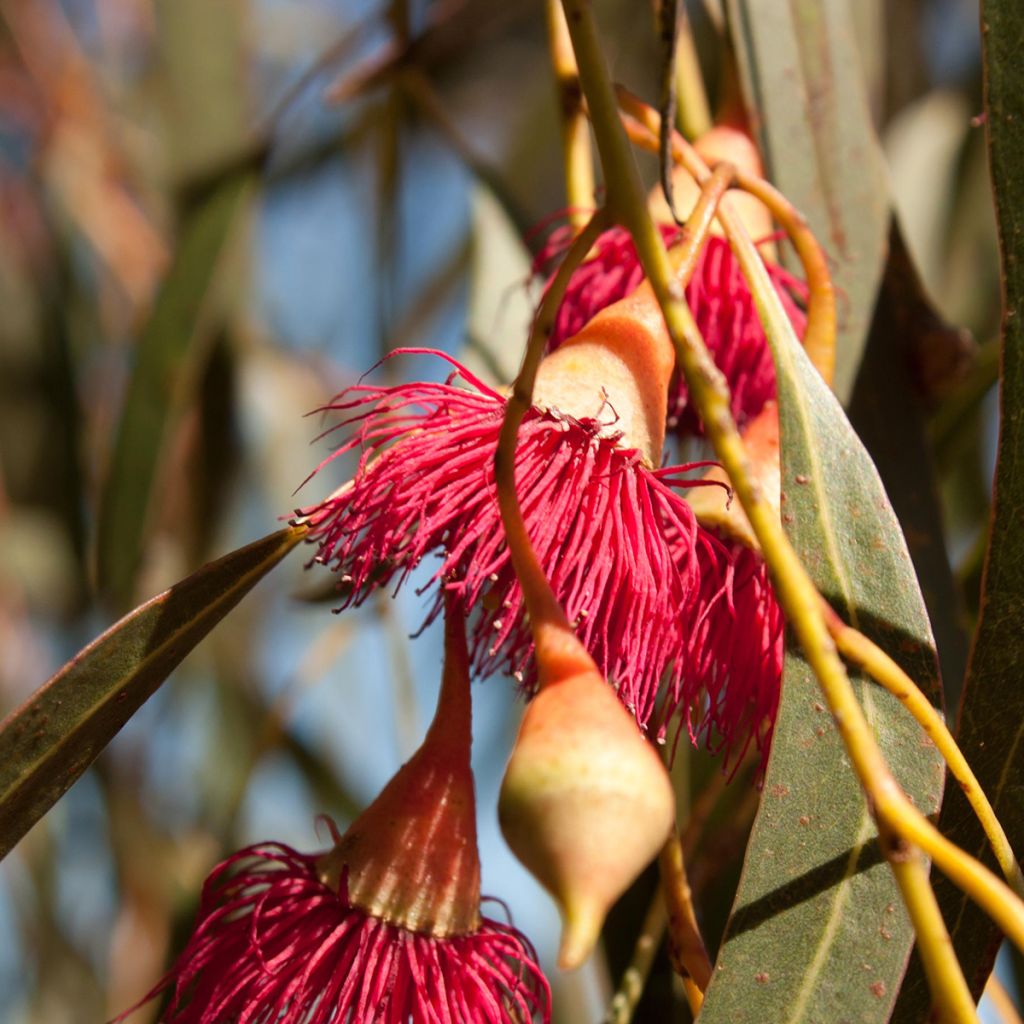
pixel 648 589
pixel 738 650
pixel 274 945
pixel 719 298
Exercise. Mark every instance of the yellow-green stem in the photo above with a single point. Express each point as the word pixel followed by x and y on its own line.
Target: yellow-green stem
pixel 634 979
pixel 867 655
pixel 854 645
pixel 642 124
pixel 541 603
pixel 950 995
pixel 688 948
pixel 795 590
pixel 576 154
pixel 692 109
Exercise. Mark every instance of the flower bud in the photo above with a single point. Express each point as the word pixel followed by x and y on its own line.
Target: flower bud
pixel 721 143
pixel 586 802
pixel 411 857
pixel 617 370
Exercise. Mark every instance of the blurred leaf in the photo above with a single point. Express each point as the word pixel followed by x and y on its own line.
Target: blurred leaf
pixel 216 452
pixel 48 742
pixel 991 724
pixel 906 70
pixel 40 419
pixel 203 64
pixel 868 17
pixel 805 92
pixel 818 932
pixel 500 303
pixel 166 363
pixel 924 146
pixel 952 419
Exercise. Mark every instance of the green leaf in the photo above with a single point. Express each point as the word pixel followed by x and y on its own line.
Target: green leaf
pixel 991 724
pixel 167 363
pixel 818 931
pixel 48 742
pixel 801 73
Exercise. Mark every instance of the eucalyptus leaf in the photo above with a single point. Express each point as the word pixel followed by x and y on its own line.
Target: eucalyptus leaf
pixel 802 75
pixel 818 931
pixel 48 742
pixel 991 723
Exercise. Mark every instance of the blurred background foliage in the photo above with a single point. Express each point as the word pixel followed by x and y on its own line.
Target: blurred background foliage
pixel 213 217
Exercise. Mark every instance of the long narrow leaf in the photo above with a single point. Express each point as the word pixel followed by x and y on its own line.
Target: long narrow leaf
pixel 801 72
pixel 48 742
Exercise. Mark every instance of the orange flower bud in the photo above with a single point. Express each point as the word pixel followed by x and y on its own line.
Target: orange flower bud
pixel 586 802
pixel 732 144
pixel 616 370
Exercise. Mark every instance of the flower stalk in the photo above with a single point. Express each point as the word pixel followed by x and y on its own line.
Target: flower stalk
pixel 585 802
pixel 576 153
pixel 634 979
pixel 863 652
pixel 688 951
pixel 642 125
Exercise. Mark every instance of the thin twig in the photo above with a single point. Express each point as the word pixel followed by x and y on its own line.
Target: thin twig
pixel 642 124
pixel 634 979
pixel 689 954
pixel 577 157
pixel 867 655
pixel 853 644
pixel 1001 1001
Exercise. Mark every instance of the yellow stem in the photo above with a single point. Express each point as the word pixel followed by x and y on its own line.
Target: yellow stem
pixel 950 995
pixel 634 979
pixel 865 654
pixel 693 111
pixel 694 996
pixel 642 124
pixel 683 255
pixel 899 820
pixel 576 155
pixel 541 603
pixel 690 957
pixel 1001 1001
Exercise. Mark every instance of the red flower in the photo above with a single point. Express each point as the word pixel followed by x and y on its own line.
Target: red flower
pixel 599 518
pixel 383 928
pixel 273 943
pixel 719 298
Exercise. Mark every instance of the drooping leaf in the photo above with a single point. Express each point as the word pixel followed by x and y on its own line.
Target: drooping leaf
pixel 991 721
pixel 801 72
pixel 818 931
pixel 48 742
pixel 167 360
